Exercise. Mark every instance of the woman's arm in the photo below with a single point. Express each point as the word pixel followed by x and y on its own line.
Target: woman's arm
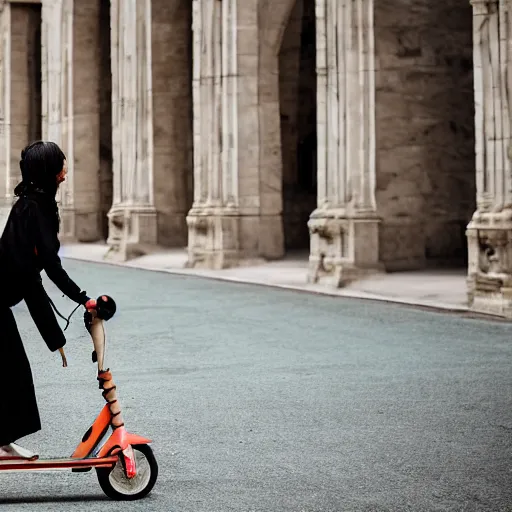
pixel 47 246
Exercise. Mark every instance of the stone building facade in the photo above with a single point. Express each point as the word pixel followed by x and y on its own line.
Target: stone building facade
pixel 374 134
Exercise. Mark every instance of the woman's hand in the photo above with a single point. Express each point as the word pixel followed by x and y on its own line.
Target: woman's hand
pixel 90 304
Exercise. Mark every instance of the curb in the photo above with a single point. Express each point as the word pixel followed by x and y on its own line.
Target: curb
pixel 463 311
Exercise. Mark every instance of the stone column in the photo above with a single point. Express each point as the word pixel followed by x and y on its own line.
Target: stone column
pixel 133 217
pixel 70 109
pixel 344 227
pixel 237 209
pixel 20 91
pixel 490 230
pixel 214 219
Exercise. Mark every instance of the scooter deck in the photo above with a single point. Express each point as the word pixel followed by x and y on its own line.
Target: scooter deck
pixel 57 464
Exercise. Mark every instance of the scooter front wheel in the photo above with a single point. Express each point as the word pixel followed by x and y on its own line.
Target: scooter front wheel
pixel 117 486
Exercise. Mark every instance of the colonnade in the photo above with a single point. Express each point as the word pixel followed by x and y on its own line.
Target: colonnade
pixel 172 130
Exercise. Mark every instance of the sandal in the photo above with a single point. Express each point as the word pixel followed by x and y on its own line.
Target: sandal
pixel 14 452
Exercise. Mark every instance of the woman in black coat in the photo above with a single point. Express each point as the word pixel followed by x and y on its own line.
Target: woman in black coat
pixel 30 244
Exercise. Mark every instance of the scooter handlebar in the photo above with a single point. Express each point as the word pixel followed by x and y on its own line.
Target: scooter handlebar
pixel 98 311
pixel 104 306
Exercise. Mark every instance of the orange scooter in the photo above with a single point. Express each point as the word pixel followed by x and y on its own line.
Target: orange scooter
pixel 125 464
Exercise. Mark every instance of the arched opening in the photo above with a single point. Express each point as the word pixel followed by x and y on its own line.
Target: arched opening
pixel 425 133
pixel 105 107
pixel 297 92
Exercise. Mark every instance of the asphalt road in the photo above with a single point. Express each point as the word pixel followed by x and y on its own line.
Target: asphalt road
pixel 269 400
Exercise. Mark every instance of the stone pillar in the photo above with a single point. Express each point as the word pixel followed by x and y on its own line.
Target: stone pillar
pixel 344 228
pixel 133 217
pixel 237 209
pixel 490 230
pixel 214 219
pixel 20 91
pixel 70 109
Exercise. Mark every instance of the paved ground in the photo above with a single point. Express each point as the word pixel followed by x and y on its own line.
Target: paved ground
pixel 268 400
pixel 437 288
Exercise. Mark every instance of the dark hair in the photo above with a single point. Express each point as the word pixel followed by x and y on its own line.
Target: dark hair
pixel 40 164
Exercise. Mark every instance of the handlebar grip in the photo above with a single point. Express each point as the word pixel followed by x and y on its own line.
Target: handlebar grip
pixel 90 304
pixel 104 306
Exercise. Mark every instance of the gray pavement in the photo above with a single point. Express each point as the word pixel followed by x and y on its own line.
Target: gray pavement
pixel 260 399
pixel 444 289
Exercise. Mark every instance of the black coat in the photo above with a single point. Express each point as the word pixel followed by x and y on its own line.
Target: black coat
pixel 30 244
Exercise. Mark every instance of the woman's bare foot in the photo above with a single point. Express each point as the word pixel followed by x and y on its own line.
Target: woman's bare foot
pixel 14 452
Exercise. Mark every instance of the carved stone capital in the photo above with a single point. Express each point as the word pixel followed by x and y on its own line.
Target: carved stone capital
pixel 343 247
pixel 481 7
pixel 132 231
pixel 490 261
pixel 213 237
pixel 327 228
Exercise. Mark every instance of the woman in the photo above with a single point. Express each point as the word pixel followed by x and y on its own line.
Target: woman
pixel 30 244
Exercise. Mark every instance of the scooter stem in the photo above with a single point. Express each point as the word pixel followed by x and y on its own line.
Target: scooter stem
pixel 98 339
pixel 104 375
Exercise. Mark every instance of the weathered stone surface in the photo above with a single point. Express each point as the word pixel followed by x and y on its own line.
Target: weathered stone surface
pixel 20 96
pixel 344 226
pixel 244 152
pixel 133 227
pixel 232 122
pixel 171 35
pixel 490 230
pixel 214 219
pixel 425 131
pixel 71 109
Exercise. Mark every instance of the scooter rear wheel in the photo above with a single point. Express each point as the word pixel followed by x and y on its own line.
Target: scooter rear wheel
pixel 117 486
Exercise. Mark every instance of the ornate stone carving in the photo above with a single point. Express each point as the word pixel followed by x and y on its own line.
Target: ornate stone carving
pixel 346 143
pixel 490 262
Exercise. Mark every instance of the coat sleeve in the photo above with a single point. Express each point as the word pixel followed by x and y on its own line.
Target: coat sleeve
pixel 47 247
pixel 43 315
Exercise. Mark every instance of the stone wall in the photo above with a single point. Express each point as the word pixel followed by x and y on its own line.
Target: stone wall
pixel 425 130
pixel 20 92
pixel 172 117
pixel 297 102
pixel 25 77
pixel 105 95
pixel 86 208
